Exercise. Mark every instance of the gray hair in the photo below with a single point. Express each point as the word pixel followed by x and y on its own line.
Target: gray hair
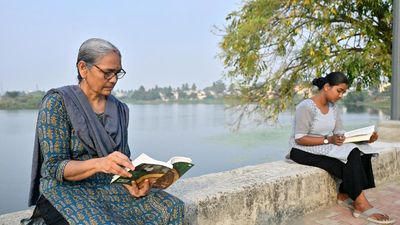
pixel 92 50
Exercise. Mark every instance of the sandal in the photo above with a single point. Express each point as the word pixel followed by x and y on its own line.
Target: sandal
pixel 367 216
pixel 347 203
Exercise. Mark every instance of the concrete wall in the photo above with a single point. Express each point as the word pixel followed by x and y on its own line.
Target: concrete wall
pixel 389 130
pixel 269 193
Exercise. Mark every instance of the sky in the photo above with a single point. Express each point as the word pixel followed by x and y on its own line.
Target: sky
pixel 163 43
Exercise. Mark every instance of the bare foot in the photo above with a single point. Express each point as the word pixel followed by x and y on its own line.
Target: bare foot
pixel 362 207
pixel 361 204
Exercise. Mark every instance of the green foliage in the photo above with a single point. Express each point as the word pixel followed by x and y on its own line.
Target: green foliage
pixel 194 87
pixel 12 94
pixel 355 98
pixel 156 95
pixel 183 94
pixel 217 87
pixel 371 98
pixel 272 49
pixel 21 100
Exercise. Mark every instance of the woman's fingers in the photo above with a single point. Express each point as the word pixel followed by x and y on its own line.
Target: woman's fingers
pixel 116 163
pixel 133 189
pixel 124 163
pixel 339 139
pixel 373 137
pixel 137 192
pixel 118 170
pixel 146 188
pixel 121 160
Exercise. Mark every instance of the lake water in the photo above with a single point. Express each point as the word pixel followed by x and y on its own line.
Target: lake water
pixel 198 131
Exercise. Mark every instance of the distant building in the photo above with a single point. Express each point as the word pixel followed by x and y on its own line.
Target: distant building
pixel 163 97
pixel 201 95
pixel 176 94
pixel 120 94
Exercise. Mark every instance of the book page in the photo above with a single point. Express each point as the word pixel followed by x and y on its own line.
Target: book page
pixel 179 159
pixel 359 135
pixel 360 131
pixel 160 174
pixel 359 138
pixel 145 159
pixel 145 163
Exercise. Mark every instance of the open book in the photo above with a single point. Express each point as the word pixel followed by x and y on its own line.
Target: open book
pixel 160 174
pixel 358 135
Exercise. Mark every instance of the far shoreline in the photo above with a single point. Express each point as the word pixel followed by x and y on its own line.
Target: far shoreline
pixel 16 106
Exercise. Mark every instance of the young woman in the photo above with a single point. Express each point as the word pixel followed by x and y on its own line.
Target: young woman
pixel 317 140
pixel 81 142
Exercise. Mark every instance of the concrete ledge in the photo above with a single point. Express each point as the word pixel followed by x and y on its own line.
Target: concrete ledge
pixel 15 217
pixel 389 130
pixel 269 193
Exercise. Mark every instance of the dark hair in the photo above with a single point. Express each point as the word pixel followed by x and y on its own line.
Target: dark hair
pixel 93 50
pixel 332 79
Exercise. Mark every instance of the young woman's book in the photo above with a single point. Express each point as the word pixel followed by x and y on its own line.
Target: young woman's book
pixel 359 135
pixel 160 174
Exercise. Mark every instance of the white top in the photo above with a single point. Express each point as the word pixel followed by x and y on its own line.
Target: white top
pixel 309 120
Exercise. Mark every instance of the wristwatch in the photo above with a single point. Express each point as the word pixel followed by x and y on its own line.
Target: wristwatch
pixel 326 141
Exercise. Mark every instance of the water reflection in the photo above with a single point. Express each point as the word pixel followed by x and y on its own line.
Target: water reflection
pixel 355 108
pixel 382 113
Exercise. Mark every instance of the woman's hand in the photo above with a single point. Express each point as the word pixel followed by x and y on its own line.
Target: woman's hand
pixel 115 163
pixel 137 191
pixel 373 137
pixel 336 139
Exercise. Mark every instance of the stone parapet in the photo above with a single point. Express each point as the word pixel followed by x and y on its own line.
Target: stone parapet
pixel 268 193
pixel 389 130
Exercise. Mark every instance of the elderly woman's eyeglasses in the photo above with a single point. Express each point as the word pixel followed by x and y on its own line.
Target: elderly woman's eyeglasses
pixel 110 74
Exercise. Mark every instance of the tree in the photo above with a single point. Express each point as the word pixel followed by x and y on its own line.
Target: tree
pixel 139 94
pixel 217 87
pixel 13 94
pixel 273 49
pixel 194 87
pixel 231 88
pixel 185 87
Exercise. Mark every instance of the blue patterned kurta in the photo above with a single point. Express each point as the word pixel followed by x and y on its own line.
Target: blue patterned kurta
pixel 93 200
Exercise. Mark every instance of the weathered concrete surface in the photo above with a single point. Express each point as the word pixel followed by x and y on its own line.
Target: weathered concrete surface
pixel 14 218
pixel 385 197
pixel 262 194
pixel 389 130
pixel 268 193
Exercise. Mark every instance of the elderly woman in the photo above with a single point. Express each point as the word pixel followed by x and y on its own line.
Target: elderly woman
pixel 81 142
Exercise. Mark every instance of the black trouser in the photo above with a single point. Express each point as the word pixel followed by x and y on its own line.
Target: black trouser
pixel 49 213
pixel 356 174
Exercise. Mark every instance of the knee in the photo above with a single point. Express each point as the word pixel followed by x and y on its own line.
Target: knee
pixel 171 201
pixel 354 154
pixel 178 204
